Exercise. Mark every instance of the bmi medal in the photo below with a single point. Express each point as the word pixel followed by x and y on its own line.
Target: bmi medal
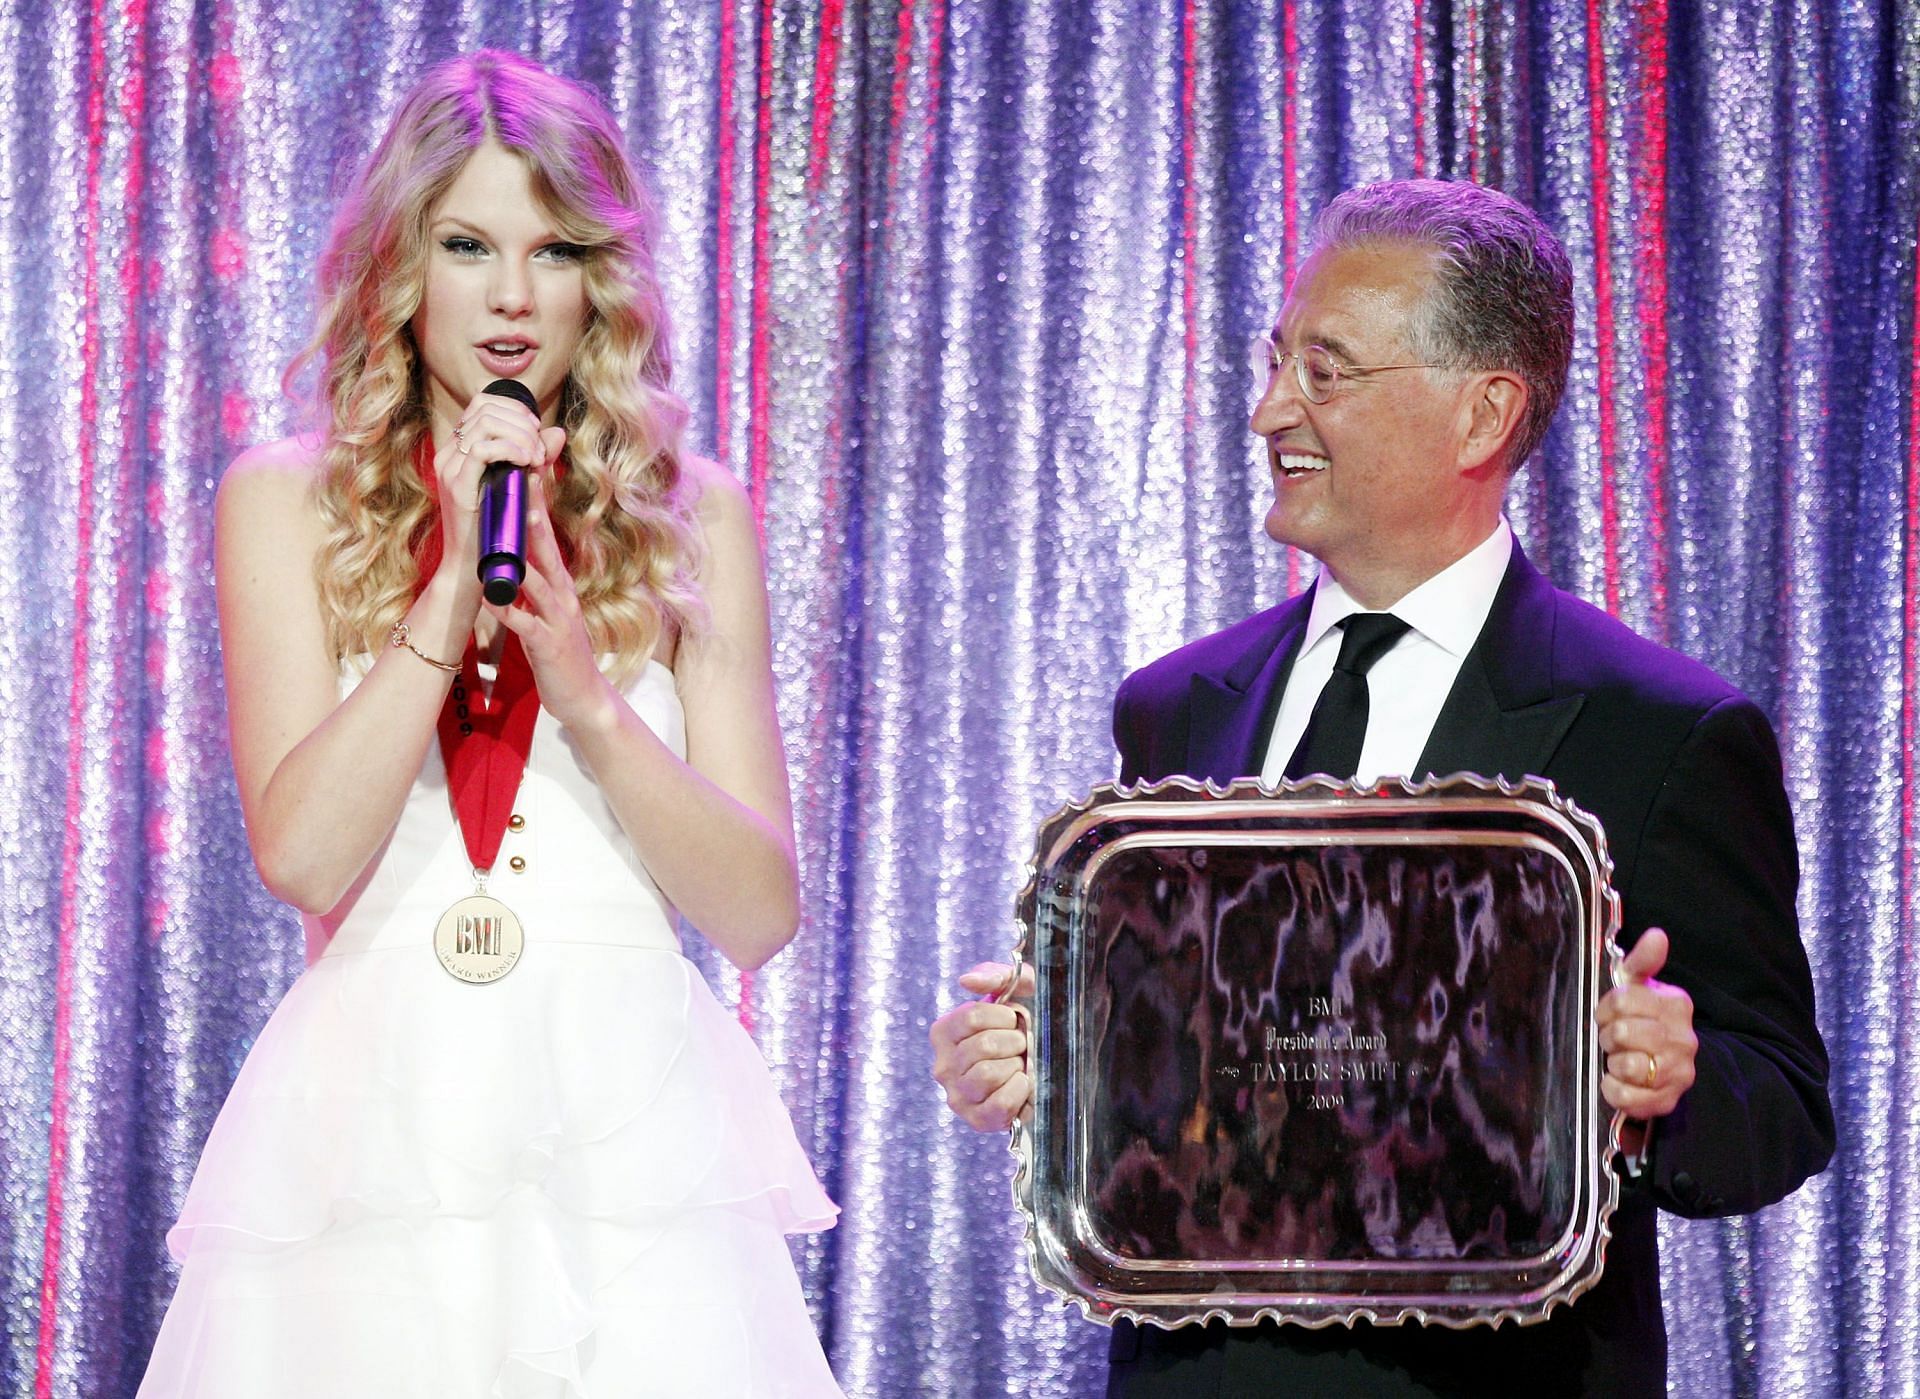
pixel 479 939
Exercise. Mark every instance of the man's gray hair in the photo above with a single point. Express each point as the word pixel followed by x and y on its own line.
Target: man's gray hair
pixel 1503 289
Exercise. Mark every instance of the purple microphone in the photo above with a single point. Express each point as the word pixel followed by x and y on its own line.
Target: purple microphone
pixel 503 513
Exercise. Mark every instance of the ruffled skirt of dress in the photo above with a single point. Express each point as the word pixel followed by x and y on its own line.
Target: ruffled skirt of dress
pixel 572 1184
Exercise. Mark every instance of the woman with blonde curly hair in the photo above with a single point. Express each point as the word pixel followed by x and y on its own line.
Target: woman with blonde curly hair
pixel 499 1139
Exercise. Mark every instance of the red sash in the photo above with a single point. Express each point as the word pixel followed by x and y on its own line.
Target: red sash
pixel 484 739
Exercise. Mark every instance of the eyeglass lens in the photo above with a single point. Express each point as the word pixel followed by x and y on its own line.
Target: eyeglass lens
pixel 1315 369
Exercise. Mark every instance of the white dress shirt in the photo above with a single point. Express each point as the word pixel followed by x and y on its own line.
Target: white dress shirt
pixel 1408 685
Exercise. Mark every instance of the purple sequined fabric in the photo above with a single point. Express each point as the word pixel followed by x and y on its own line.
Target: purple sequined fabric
pixel 961 290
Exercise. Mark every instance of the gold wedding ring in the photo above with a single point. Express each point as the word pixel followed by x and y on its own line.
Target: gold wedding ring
pixel 1653 1069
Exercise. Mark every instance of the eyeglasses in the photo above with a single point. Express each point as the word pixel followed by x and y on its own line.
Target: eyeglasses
pixel 1315 367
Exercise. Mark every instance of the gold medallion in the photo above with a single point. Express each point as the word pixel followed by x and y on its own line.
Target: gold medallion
pixel 478 940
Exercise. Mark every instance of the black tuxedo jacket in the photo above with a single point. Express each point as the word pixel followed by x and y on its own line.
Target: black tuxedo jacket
pixel 1684 773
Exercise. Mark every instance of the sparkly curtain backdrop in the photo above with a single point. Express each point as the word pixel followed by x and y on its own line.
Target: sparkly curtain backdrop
pixel 960 288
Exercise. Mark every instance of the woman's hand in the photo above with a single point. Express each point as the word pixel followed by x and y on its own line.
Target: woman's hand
pixel 547 619
pixel 491 429
pixel 715 828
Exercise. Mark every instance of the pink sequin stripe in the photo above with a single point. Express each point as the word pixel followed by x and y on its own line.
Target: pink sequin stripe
pixel 826 59
pixel 1419 18
pixel 1290 185
pixel 70 854
pixel 1910 650
pixel 723 245
pixel 1650 275
pixel 1189 241
pixel 1603 298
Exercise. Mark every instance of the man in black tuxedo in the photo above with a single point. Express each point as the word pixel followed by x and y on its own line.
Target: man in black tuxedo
pixel 1416 364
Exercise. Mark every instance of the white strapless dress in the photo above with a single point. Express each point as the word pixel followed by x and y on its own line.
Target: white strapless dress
pixel 571 1183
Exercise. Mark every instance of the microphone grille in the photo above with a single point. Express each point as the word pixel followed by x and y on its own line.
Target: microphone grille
pixel 515 390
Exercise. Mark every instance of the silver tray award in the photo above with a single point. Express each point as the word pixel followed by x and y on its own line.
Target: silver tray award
pixel 1318 1054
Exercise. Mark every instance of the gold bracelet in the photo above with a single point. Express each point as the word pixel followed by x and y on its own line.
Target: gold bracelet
pixel 399 637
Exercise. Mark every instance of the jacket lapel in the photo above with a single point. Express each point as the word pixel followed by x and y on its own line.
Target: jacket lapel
pixel 1231 710
pixel 1501 717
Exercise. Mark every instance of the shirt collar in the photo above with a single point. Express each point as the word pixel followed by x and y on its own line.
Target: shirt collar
pixel 1448 609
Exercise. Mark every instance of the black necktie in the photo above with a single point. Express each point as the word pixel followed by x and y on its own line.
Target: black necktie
pixel 1338 726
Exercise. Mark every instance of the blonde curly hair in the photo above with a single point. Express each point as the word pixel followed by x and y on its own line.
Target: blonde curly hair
pixel 623 508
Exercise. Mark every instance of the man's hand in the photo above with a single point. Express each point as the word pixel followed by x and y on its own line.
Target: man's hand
pixel 980 1051
pixel 1646 1031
